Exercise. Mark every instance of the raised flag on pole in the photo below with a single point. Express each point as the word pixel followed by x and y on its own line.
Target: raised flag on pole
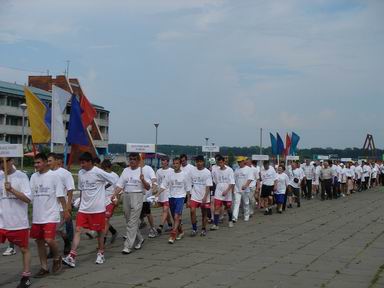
pixel 60 98
pixel 295 140
pixel 280 145
pixel 37 115
pixel 273 144
pixel 76 130
pixel 88 111
pixel 287 145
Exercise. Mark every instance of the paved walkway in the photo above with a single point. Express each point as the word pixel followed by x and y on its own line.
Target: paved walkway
pixel 338 243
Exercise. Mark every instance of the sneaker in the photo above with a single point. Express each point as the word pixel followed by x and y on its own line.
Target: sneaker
pixel 180 236
pixel 230 224
pixel 159 230
pixel 69 261
pixel 9 251
pixel 193 233
pixel 270 212
pixel 266 212
pixel 125 237
pixel 171 240
pixel 279 211
pixel 298 204
pixel 203 233
pixel 57 266
pixel 152 233
pixel 138 245
pixel 41 274
pixel 214 227
pixel 113 238
pixel 100 258
pixel 126 251
pixel 246 219
pixel 25 282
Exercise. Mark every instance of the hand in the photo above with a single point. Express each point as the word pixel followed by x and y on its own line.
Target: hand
pixel 244 187
pixel 67 216
pixel 69 208
pixel 8 187
pixel 225 193
pixel 204 200
pixel 189 203
pixel 141 177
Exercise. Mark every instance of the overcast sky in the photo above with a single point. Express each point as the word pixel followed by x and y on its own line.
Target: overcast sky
pixel 206 68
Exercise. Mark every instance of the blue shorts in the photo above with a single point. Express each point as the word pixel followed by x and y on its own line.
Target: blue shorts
pixel 279 198
pixel 176 205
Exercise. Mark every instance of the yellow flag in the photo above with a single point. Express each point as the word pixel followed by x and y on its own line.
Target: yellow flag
pixel 36 114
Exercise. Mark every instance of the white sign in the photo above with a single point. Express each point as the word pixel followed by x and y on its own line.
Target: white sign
pixel 346 159
pixel 11 150
pixel 141 148
pixel 293 158
pixel 322 157
pixel 260 157
pixel 211 148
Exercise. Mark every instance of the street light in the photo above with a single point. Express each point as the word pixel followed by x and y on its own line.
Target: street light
pixel 23 107
pixel 156 127
pixel 206 144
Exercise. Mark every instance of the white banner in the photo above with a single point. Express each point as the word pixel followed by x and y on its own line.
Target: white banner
pixel 60 99
pixel 322 157
pixel 260 157
pixel 346 159
pixel 141 148
pixel 211 148
pixel 11 150
pixel 293 158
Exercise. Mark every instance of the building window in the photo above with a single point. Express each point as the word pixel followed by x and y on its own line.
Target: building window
pixel 14 102
pixel 13 121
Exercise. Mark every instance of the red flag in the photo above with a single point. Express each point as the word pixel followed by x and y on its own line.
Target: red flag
pixel 287 145
pixel 89 112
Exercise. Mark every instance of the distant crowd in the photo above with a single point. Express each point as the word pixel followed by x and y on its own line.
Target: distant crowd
pixel 217 190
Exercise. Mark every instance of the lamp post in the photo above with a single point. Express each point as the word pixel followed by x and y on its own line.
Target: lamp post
pixel 23 107
pixel 206 144
pixel 156 127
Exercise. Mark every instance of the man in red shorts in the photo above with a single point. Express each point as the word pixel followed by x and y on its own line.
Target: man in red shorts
pixel 14 224
pixel 47 192
pixel 199 197
pixel 91 215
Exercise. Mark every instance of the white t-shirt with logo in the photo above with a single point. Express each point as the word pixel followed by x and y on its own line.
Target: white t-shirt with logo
pixel 92 187
pixel 178 184
pixel 296 174
pixel 67 180
pixel 359 172
pixel 148 170
pixel 187 168
pixel 161 174
pixel 109 188
pixel 46 188
pixel 130 181
pixel 14 212
pixel 242 175
pixel 282 183
pixel 268 177
pixel 222 179
pixel 200 180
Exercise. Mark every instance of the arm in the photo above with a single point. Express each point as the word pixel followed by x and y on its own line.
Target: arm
pixel 19 195
pixel 67 216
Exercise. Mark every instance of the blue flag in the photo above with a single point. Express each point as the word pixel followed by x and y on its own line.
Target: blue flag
pixel 280 145
pixel 273 144
pixel 76 131
pixel 294 140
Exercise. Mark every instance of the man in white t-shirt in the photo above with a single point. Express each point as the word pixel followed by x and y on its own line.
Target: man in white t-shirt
pixel 47 193
pixel 244 176
pixel 201 180
pixel 133 182
pixel 224 179
pixel 268 177
pixel 296 176
pixel 91 215
pixel 15 195
pixel 163 199
pixel 366 175
pixel 185 166
pixel 254 189
pixel 69 186
pixel 178 183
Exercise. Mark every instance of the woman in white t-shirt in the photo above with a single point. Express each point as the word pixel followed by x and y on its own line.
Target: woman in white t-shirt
pixel 282 184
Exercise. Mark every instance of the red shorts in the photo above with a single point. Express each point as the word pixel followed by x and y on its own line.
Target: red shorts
pixel 17 237
pixel 163 204
pixel 45 231
pixel 226 204
pixel 195 204
pixel 92 221
pixel 109 210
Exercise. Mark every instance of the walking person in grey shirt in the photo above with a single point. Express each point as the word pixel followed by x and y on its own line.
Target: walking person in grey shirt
pixel 326 176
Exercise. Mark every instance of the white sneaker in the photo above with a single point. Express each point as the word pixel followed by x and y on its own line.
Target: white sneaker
pixel 246 219
pixel 9 251
pixel 153 233
pixel 138 245
pixel 180 236
pixel 69 261
pixel 230 224
pixel 100 258
pixel 126 251
pixel 214 227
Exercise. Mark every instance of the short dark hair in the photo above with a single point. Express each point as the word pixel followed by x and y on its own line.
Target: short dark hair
pixel 254 162
pixel 217 156
pixel 41 156
pixel 165 158
pixel 86 156
pixel 59 156
pixel 176 159
pixel 97 160
pixel 183 156
pixel 106 164
pixel 220 158
pixel 266 162
pixel 282 166
pixel 134 155
pixel 200 158
pixel 51 154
